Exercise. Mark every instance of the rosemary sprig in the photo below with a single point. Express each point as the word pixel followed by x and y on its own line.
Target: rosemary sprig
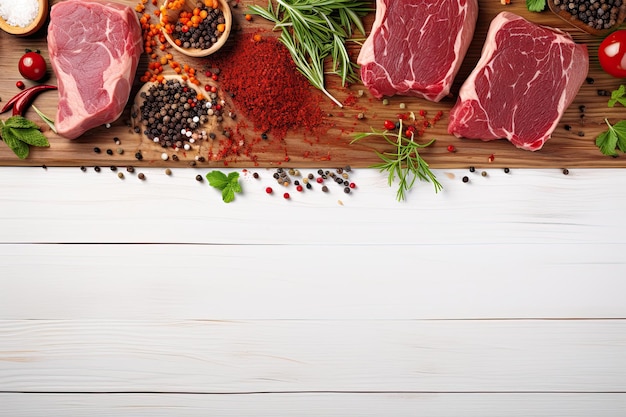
pixel 405 162
pixel 313 30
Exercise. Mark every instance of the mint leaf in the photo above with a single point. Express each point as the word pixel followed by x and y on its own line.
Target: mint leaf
pixel 217 179
pixel 228 194
pixel 32 137
pixel 535 5
pixel 618 96
pixel 20 122
pixel 17 146
pixel 229 185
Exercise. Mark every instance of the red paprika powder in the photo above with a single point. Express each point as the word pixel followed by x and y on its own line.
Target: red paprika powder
pixel 260 75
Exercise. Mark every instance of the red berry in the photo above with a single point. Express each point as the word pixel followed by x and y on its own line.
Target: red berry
pixel 352 185
pixel 269 190
pixel 20 85
pixel 389 125
pixel 451 148
pixel 423 113
pixel 207 88
pixel 208 73
pixel 320 180
pixel 299 188
pixel 286 196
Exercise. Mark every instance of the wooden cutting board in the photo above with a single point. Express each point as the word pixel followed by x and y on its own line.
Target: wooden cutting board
pixel 565 149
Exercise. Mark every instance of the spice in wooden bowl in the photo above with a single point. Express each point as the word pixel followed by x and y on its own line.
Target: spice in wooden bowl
pixel 196 28
pixel 597 17
pixel 23 17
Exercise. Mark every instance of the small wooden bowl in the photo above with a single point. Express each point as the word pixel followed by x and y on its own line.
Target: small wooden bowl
pixel 574 21
pixel 33 27
pixel 172 16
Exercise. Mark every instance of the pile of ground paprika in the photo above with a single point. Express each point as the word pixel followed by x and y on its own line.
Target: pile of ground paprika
pixel 260 75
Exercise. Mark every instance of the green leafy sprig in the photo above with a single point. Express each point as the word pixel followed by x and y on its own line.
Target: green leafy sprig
pixel 20 133
pixel 613 138
pixel 618 96
pixel 405 162
pixel 313 30
pixel 228 184
pixel 536 5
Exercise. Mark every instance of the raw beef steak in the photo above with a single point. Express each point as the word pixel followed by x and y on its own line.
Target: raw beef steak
pixel 525 79
pixel 94 51
pixel 416 47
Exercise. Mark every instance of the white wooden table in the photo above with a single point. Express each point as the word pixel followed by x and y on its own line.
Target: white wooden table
pixel 504 296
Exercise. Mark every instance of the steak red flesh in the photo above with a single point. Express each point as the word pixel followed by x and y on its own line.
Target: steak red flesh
pixel 94 51
pixel 416 47
pixel 525 79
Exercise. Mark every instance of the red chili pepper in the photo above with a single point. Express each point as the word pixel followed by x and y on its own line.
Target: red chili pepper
pixel 389 125
pixel 27 96
pixel 9 104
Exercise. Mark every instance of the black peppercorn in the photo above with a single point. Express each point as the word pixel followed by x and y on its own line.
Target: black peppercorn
pixel 465 179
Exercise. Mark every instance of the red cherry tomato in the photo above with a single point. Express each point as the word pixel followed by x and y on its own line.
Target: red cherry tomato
pixel 612 54
pixel 32 66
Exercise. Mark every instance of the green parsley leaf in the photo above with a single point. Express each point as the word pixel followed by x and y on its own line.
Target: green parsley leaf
pixel 535 5
pixel 612 138
pixel 618 96
pixel 229 185
pixel 620 130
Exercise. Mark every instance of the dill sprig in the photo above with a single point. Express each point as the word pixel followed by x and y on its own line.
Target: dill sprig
pixel 404 162
pixel 313 30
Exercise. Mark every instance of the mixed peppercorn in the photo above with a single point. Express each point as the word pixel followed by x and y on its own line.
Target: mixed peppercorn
pixel 597 14
pixel 173 112
pixel 199 28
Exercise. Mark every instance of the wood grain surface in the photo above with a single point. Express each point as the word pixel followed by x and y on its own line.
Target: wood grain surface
pixel 565 149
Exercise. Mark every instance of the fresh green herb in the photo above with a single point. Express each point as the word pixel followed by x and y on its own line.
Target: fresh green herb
pixel 618 96
pixel 612 138
pixel 45 118
pixel 18 133
pixel 535 5
pixel 405 162
pixel 313 30
pixel 229 185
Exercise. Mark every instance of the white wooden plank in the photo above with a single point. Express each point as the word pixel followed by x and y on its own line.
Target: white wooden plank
pixel 525 206
pixel 311 282
pixel 204 356
pixel 314 405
